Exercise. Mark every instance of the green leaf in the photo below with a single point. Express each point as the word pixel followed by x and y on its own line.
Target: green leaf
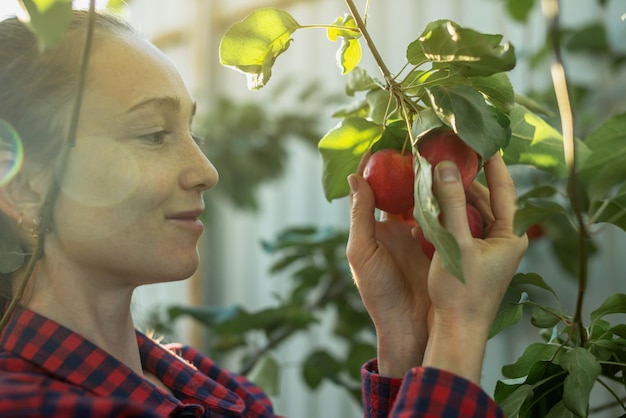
pixel 512 404
pixel 544 317
pixel 611 210
pixel 613 304
pixel 532 213
pixel 497 90
pixel 426 213
pixel 116 5
pixel 426 121
pixel 394 136
pixel 360 80
pixel 464 109
pixel 318 366
pixel 508 315
pixel 381 105
pixel 583 369
pixel 619 330
pixel 252 45
pixel 591 38
pixel 235 319
pixel 560 411
pixel 349 54
pixel 532 279
pixel 471 53
pixel 358 354
pixel 48 20
pixel 519 10
pixel 605 167
pixel 342 149
pixel 266 374
pixel 534 142
pixel 533 353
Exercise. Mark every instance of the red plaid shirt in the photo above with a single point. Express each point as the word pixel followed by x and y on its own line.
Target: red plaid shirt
pixel 46 370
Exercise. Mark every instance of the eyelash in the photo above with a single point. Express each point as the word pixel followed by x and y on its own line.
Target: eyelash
pixel 159 137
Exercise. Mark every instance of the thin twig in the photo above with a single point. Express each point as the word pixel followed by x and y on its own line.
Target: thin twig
pixel 559 80
pixel 370 42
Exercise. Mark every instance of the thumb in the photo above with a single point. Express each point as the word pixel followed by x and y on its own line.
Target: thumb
pixel 362 221
pixel 451 196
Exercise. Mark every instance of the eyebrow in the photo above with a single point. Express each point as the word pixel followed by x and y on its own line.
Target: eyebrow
pixel 170 102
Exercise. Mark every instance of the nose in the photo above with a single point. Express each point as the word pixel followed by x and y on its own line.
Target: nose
pixel 199 172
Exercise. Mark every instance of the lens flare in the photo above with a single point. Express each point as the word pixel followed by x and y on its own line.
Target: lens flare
pixel 11 152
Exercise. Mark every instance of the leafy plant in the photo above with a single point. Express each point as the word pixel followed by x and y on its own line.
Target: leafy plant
pixel 456 77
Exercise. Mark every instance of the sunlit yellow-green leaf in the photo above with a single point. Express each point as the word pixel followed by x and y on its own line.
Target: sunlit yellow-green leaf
pixel 47 19
pixel 341 149
pixel 116 4
pixel 252 45
pixel 349 53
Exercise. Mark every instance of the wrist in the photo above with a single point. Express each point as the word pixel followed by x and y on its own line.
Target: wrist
pixel 400 350
pixel 458 348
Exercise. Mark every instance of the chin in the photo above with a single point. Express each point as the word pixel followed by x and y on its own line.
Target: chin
pixel 174 272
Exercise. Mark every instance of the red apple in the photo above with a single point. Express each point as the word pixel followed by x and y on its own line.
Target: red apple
pixel 444 144
pixel 535 231
pixel 390 175
pixel 476 226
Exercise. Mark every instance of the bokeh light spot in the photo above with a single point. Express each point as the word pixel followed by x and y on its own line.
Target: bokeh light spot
pixel 11 152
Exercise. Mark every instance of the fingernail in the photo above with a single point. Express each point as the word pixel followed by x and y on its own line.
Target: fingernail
pixel 448 172
pixel 354 184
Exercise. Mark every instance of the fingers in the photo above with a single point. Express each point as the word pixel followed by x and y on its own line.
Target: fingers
pixel 451 197
pixel 502 195
pixel 362 221
pixel 478 195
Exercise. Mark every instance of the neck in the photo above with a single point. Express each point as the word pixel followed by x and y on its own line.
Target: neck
pixel 90 306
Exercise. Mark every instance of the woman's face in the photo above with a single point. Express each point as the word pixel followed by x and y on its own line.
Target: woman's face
pixel 132 192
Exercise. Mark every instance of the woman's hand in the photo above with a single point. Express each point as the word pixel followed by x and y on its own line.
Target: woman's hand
pixel 462 313
pixel 423 314
pixel 391 274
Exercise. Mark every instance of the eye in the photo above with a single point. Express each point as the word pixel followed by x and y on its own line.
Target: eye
pixel 156 137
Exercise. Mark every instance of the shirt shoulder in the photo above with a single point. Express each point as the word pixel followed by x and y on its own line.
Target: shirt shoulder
pixel 255 399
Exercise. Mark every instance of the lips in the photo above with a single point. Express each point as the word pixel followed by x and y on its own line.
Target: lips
pixel 193 214
pixel 189 219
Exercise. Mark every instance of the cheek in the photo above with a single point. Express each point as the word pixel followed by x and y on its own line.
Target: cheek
pixel 101 178
pixel 98 190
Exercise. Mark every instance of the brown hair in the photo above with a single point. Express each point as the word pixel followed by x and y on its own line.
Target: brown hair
pixel 37 92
